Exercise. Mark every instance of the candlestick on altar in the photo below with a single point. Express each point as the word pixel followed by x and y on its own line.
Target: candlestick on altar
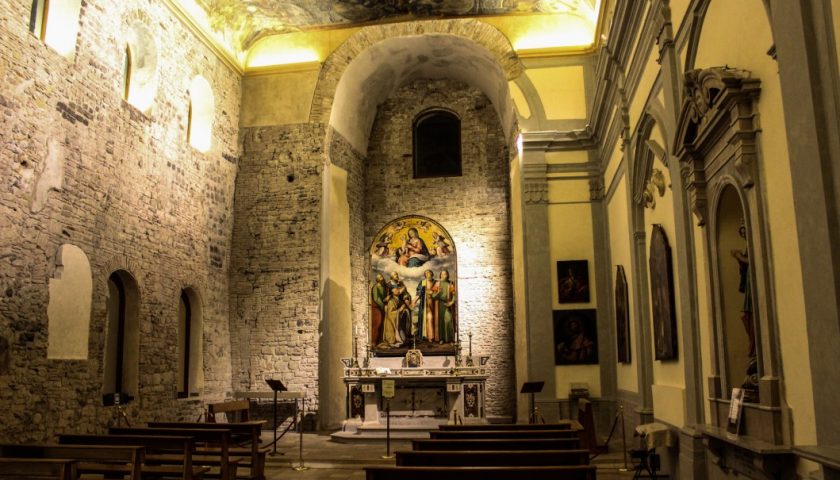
pixel 470 335
pixel 355 350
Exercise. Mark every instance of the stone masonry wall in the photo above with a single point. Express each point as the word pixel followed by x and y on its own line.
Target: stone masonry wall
pixel 275 265
pixel 81 166
pixel 474 208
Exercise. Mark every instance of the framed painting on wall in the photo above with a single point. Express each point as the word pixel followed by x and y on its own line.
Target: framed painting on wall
pixel 622 316
pixel 573 281
pixel 413 288
pixel 575 337
pixel 662 296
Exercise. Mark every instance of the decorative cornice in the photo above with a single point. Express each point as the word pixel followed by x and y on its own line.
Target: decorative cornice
pixel 553 141
pixel 535 192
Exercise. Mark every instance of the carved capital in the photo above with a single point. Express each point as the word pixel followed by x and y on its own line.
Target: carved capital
pixel 535 192
pixel 596 188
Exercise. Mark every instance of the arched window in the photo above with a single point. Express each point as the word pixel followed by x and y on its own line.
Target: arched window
pixel 437 144
pixel 122 350
pixel 140 79
pixel 190 336
pixel 68 312
pixel 200 119
pixel 56 22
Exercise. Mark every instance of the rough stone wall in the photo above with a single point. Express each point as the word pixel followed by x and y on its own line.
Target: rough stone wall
pixel 275 263
pixel 474 208
pixel 81 166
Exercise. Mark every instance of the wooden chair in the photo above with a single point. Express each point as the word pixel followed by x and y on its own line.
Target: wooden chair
pixel 38 468
pixel 92 459
pixel 236 408
pixel 588 434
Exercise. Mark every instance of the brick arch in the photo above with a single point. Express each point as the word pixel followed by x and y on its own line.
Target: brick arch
pixel 481 33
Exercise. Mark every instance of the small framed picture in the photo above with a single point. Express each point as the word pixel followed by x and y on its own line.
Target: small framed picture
pixel 573 281
pixel 575 337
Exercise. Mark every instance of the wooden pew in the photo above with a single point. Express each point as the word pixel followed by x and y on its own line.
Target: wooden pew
pixel 92 459
pixel 496 444
pixel 578 472
pixel 38 468
pixel 502 434
pixel 238 408
pixel 561 425
pixel 249 431
pixel 219 439
pixel 183 446
pixel 486 458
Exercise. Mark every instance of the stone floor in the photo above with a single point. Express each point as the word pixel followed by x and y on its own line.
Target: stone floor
pixel 326 459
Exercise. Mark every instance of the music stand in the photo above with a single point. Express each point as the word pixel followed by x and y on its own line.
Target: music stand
pixel 532 388
pixel 276 386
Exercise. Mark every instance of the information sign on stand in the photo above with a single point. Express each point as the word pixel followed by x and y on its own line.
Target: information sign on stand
pixel 388 388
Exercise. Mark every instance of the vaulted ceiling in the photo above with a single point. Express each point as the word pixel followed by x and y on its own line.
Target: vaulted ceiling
pixel 239 24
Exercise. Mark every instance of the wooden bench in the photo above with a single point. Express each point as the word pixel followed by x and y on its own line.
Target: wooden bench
pixel 218 439
pixel 496 444
pixel 562 425
pixel 578 472
pixel 502 434
pixel 183 446
pixel 237 408
pixel 38 468
pixel 92 459
pixel 486 458
pixel 248 431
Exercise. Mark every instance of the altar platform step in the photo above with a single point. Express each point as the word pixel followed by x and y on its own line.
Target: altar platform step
pixel 376 433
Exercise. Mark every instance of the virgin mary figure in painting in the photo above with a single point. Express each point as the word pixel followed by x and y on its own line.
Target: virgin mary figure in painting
pixel 444 296
pixel 414 251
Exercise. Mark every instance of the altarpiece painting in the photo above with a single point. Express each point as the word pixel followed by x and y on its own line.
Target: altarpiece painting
pixel 413 288
pixel 662 296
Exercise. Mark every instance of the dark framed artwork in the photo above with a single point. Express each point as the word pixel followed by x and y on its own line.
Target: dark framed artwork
pixel 357 402
pixel 575 337
pixel 412 291
pixel 573 281
pixel 622 316
pixel 662 296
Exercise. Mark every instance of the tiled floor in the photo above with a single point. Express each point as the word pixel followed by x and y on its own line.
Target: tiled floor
pixel 330 460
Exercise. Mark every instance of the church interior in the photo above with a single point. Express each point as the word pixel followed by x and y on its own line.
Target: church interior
pixel 403 214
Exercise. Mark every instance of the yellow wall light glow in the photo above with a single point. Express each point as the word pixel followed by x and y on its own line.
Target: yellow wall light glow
pixel 283 50
pixel 556 31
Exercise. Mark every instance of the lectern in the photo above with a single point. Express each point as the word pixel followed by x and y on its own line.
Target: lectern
pixel 532 388
pixel 276 386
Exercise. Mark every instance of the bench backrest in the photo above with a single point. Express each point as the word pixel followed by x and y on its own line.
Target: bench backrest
pixel 184 445
pixel 582 472
pixel 484 458
pixel 503 434
pixel 495 444
pixel 32 468
pixel 562 425
pixel 234 406
pixel 133 455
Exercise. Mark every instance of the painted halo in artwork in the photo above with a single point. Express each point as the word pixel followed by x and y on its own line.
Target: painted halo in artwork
pixel 413 294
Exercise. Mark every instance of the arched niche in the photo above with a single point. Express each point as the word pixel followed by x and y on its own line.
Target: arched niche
pixel 201 110
pixel 736 329
pixel 718 150
pixel 122 347
pixel 68 311
pixel 190 344
pixel 140 67
pixel 414 295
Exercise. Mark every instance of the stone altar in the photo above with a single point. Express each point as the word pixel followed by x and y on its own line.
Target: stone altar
pixel 438 392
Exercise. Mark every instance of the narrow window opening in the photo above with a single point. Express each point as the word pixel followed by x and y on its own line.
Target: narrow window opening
pixel 38 18
pixel 437 144
pixel 127 73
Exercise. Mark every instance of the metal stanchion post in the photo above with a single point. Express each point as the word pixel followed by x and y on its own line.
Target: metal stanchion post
pixel 275 424
pixel 623 439
pixel 387 429
pixel 301 467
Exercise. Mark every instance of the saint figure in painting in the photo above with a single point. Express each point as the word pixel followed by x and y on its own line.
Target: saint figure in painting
pixel 378 292
pixel 425 308
pixel 577 347
pixel 414 251
pixel 444 297
pixel 397 313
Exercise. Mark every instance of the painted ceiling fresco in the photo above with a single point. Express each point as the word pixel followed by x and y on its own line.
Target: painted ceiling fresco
pixel 250 20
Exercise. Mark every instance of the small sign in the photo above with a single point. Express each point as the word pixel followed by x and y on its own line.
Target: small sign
pixel 368 388
pixel 453 387
pixel 388 387
pixel 736 406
